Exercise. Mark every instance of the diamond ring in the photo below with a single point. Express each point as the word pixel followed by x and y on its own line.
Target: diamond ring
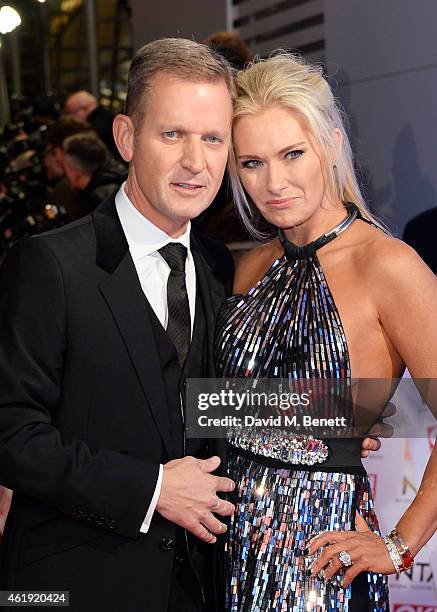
pixel 345 558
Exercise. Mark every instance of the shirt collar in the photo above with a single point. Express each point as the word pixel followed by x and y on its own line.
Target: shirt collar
pixel 142 235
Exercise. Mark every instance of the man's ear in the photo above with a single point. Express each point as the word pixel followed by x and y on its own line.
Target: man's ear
pixel 123 130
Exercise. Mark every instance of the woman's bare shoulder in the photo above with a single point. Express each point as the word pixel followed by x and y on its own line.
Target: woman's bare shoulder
pixel 403 290
pixel 254 264
pixel 385 259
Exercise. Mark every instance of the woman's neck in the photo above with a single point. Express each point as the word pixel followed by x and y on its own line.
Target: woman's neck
pixel 321 222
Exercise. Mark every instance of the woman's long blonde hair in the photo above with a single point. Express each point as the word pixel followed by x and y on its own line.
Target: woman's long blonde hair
pixel 286 80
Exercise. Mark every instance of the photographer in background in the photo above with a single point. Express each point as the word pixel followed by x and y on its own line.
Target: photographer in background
pixel 59 190
pixel 84 106
pixel 26 205
pixel 90 169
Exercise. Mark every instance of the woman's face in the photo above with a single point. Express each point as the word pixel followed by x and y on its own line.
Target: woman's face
pixel 279 166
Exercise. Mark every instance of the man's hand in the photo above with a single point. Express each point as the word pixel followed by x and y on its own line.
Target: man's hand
pixel 189 496
pixel 5 502
pixel 368 445
pixel 380 429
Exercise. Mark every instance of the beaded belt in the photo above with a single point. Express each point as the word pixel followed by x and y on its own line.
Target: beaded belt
pixel 276 444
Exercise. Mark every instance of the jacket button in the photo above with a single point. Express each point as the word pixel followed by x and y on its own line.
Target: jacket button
pixel 167 544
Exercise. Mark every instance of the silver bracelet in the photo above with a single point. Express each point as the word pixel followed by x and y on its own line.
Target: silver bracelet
pixel 394 555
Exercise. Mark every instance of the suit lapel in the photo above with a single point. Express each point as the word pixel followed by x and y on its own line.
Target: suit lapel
pixel 212 294
pixel 127 303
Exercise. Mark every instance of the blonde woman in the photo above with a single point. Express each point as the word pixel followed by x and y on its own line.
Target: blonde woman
pixel 333 296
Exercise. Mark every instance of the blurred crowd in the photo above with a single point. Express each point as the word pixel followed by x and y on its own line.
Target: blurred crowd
pixel 58 162
pixel 55 165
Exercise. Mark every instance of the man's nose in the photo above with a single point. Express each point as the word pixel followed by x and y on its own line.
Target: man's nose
pixel 276 179
pixel 193 158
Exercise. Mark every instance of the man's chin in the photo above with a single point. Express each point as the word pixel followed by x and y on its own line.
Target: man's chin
pixel 194 210
pixel 175 223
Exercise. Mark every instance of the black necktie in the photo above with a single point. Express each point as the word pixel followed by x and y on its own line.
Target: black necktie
pixel 179 321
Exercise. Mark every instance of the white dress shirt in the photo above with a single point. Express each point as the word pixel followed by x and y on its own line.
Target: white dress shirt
pixel 144 240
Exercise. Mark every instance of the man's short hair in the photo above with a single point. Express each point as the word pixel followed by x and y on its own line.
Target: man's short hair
pixel 230 46
pixel 86 151
pixel 183 58
pixel 63 127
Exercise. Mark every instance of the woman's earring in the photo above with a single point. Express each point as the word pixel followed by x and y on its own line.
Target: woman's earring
pixel 335 174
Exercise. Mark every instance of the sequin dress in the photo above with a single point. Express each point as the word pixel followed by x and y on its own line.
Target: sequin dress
pixel 287 325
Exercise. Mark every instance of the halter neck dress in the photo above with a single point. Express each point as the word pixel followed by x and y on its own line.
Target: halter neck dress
pixel 288 326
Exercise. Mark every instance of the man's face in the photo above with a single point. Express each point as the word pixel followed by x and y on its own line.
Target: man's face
pixel 179 150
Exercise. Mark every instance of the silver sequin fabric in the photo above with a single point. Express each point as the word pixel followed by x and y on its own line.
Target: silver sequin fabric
pixel 288 326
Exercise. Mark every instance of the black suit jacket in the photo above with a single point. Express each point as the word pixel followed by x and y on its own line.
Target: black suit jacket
pixel 83 420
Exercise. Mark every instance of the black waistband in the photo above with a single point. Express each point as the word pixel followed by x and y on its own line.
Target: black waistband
pixel 344 456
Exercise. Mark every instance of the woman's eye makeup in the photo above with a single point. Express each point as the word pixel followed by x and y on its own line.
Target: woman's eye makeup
pixel 294 154
pixel 251 163
pixel 256 163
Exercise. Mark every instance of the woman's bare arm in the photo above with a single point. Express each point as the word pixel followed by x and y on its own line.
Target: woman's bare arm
pixel 406 294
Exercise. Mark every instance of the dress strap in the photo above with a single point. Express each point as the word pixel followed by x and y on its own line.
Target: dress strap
pixel 293 251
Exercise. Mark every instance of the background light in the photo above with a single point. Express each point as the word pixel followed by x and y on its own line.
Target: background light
pixel 9 19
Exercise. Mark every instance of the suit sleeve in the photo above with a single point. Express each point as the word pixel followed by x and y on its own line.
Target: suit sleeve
pixel 103 487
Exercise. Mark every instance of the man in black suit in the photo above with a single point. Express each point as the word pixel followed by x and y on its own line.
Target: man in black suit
pixel 101 322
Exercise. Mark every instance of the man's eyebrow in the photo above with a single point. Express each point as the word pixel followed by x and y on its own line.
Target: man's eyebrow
pixel 169 127
pixel 281 152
